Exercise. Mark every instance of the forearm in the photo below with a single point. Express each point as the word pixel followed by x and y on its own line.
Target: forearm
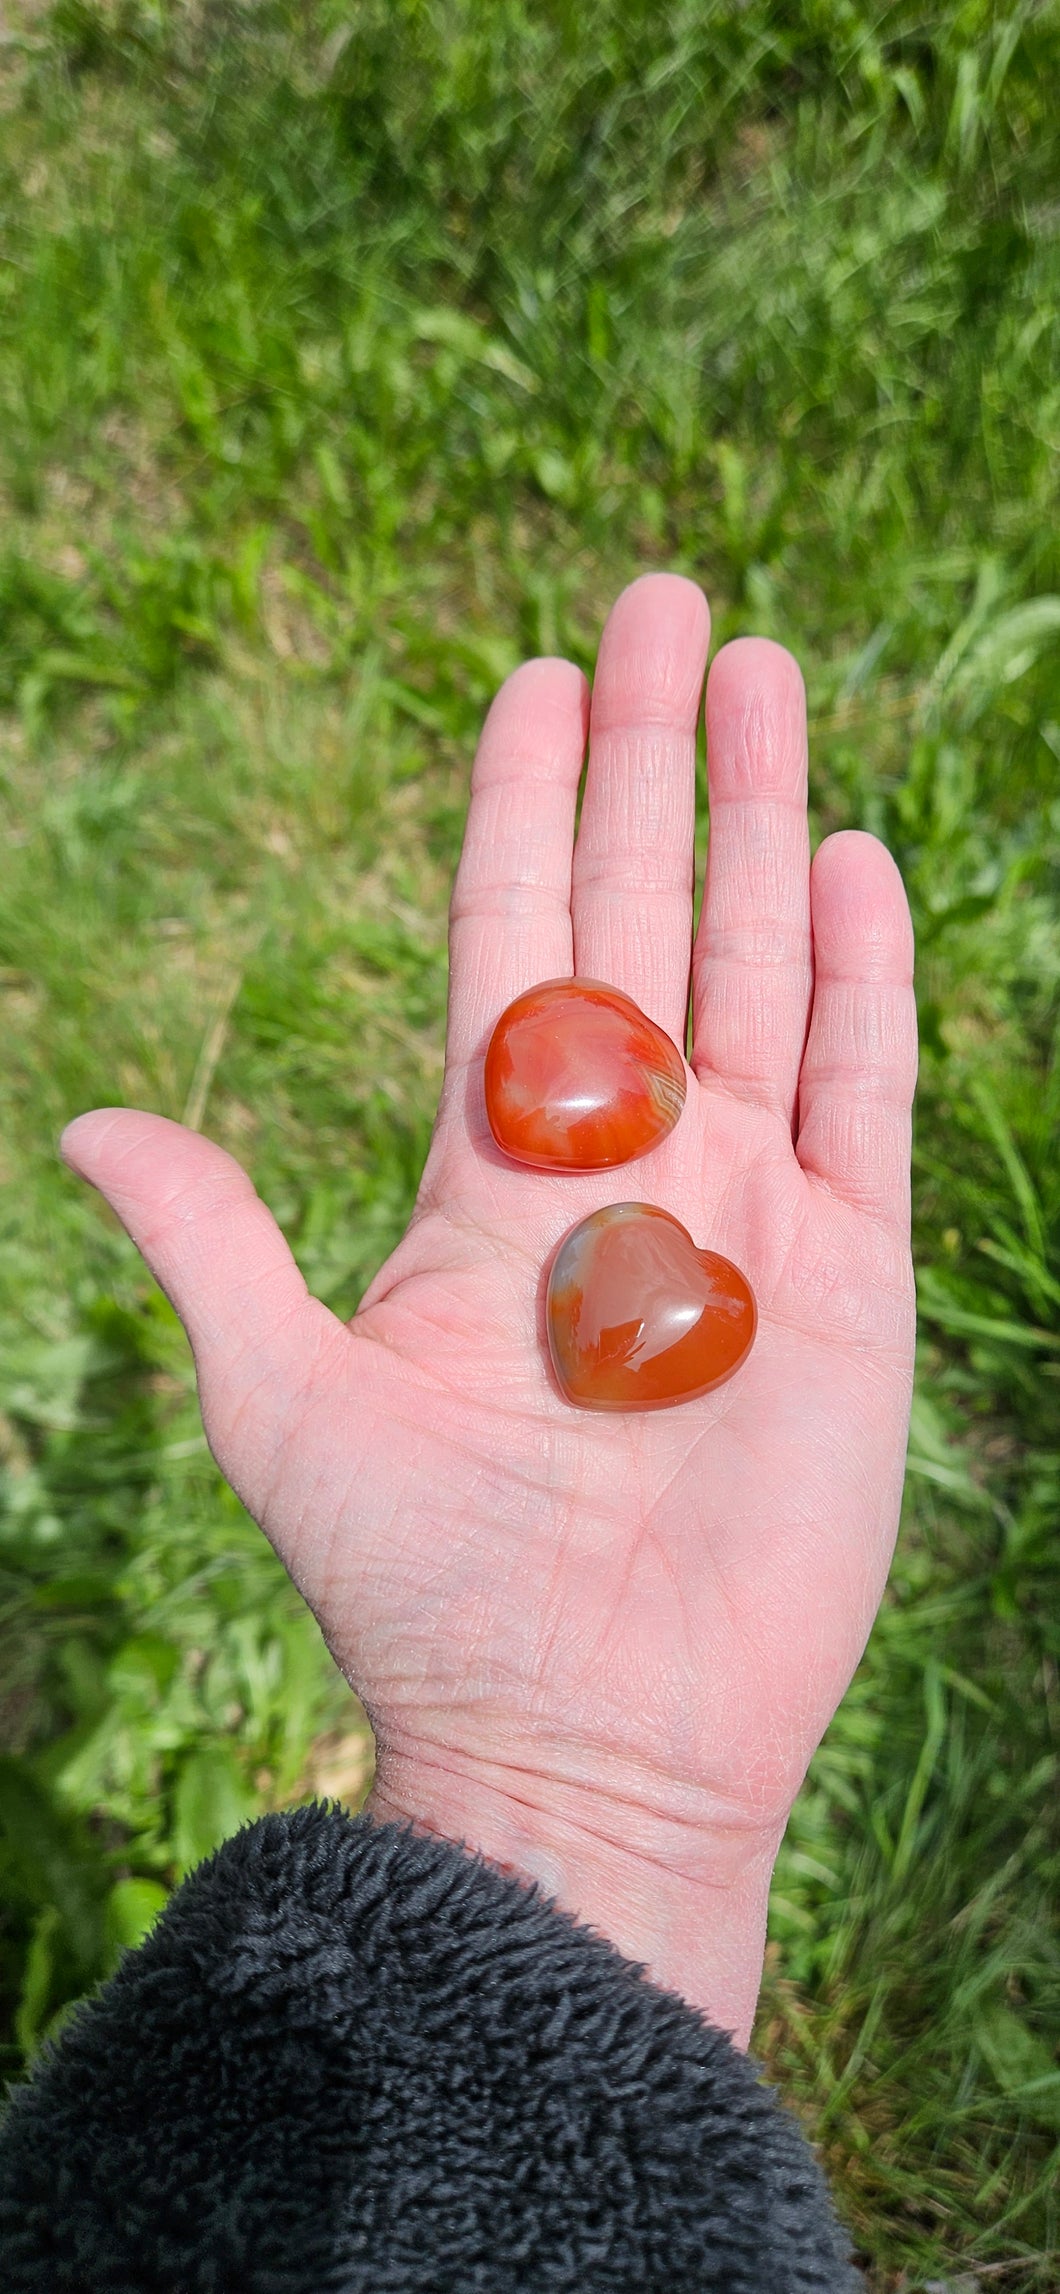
pixel 683 1891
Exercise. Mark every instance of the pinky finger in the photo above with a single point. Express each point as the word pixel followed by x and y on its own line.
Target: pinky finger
pixel 859 1066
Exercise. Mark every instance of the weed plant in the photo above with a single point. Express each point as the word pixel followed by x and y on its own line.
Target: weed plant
pixel 348 352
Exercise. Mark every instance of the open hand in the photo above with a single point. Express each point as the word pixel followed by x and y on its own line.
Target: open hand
pixel 601 1648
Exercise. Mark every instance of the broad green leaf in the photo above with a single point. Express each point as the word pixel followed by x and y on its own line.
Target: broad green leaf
pixel 37 1978
pixel 1026 2069
pixel 212 1800
pixel 132 1908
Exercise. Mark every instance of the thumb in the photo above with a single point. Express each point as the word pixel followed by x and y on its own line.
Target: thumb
pixel 218 1254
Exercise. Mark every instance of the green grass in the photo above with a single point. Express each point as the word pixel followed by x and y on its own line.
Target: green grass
pixel 346 355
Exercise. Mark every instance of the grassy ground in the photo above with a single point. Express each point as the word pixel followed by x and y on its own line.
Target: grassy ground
pixel 346 354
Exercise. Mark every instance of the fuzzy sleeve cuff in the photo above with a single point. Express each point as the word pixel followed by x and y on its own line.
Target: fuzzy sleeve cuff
pixel 355 2059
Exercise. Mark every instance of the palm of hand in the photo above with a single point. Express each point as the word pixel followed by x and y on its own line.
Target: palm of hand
pixel 664 1607
pixel 635 1626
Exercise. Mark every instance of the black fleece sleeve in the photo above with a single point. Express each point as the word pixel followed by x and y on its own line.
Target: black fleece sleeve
pixel 354 2059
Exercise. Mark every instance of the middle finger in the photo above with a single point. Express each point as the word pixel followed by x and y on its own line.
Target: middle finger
pixel 631 896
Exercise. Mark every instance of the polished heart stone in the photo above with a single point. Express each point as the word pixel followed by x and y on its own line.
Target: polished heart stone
pixel 638 1318
pixel 578 1078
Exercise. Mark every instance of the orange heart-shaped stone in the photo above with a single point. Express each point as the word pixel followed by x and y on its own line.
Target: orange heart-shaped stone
pixel 578 1078
pixel 638 1318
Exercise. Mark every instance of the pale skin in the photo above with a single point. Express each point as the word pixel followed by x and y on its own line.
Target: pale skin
pixel 601 1648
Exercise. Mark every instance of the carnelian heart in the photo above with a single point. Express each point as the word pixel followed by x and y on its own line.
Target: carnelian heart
pixel 578 1078
pixel 638 1318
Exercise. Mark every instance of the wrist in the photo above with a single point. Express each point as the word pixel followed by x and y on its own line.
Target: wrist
pixel 676 1885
